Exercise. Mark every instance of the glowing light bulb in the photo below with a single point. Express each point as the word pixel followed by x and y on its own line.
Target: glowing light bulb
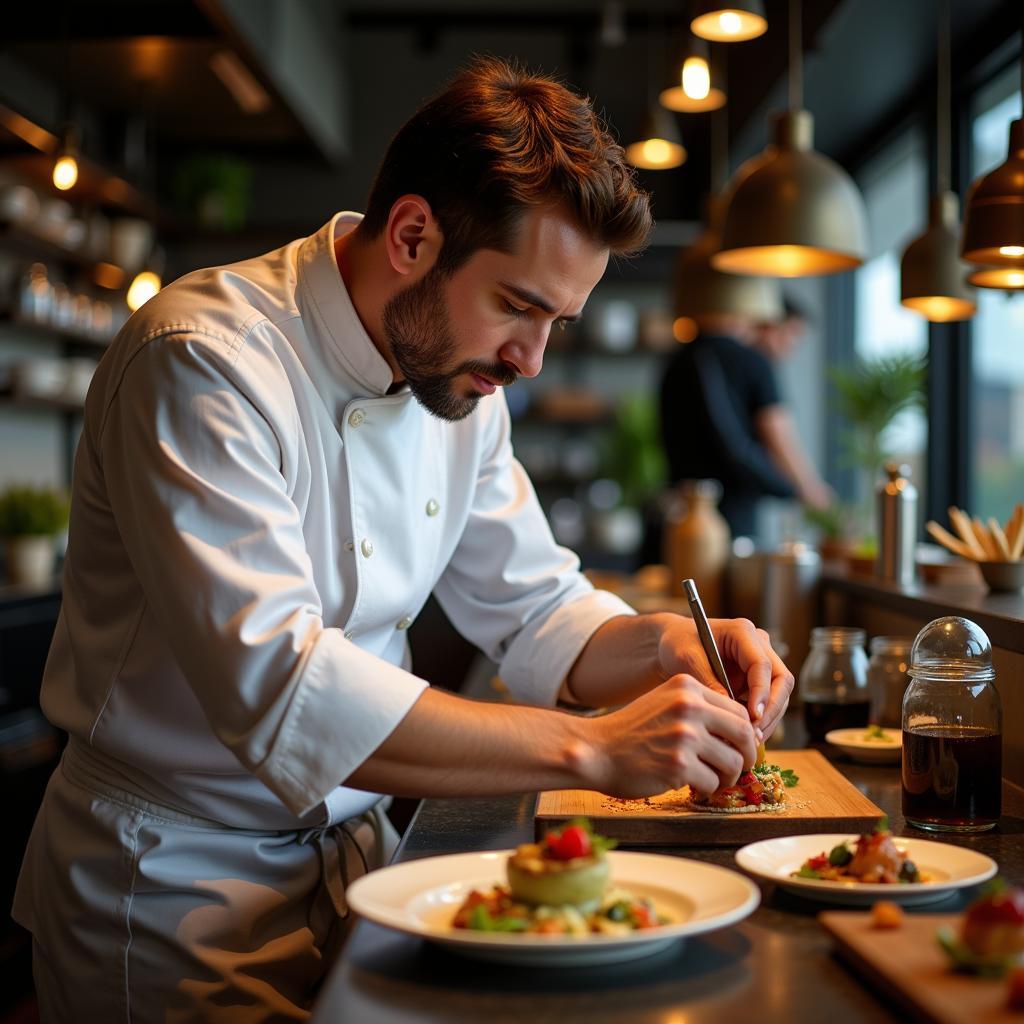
pixel 684 329
pixel 696 79
pixel 657 151
pixel 1011 250
pixel 730 22
pixel 65 172
pixel 142 289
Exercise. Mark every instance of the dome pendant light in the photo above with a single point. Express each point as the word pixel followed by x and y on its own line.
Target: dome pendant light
pixel 697 90
pixel 994 214
pixel 725 22
pixel 697 288
pixel 792 212
pixel 931 274
pixel 660 146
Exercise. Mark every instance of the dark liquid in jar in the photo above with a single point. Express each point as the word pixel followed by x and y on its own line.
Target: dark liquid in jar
pixel 952 775
pixel 822 716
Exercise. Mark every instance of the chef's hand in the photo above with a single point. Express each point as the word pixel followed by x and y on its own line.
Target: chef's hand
pixel 680 733
pixel 756 673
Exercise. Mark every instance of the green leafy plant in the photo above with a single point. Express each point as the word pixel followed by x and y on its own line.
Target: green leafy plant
pixel 633 455
pixel 872 393
pixel 27 511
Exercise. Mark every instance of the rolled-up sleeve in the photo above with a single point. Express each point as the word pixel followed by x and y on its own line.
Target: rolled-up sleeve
pixel 511 589
pixel 192 466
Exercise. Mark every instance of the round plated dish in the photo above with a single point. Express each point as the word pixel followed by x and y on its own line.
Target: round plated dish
pixel 949 867
pixel 867 746
pixel 420 898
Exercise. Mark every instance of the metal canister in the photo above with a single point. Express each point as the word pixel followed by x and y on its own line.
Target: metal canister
pixel 789 600
pixel 897 526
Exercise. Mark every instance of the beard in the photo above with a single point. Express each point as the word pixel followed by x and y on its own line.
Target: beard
pixel 418 330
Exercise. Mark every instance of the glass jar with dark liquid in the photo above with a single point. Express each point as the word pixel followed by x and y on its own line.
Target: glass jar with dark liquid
pixel 834 681
pixel 952 730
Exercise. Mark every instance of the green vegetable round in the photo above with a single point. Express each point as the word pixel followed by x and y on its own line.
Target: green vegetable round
pixel 581 887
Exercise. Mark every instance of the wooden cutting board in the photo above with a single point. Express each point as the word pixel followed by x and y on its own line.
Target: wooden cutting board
pixel 824 801
pixel 910 969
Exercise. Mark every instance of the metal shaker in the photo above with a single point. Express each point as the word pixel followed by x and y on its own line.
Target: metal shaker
pixel 897 526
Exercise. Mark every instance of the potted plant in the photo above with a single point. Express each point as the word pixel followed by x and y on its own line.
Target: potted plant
pixel 633 458
pixel 871 394
pixel 30 519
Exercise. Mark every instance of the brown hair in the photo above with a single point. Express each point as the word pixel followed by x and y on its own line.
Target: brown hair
pixel 498 141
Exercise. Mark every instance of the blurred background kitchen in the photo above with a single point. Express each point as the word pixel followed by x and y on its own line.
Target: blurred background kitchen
pixel 140 139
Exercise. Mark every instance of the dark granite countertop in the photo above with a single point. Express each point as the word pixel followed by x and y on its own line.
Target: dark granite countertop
pixel 776 966
pixel 1000 615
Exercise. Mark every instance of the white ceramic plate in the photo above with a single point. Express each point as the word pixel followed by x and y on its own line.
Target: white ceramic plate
pixel 853 742
pixel 950 867
pixel 420 898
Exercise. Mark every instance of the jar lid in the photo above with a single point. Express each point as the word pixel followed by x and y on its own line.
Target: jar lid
pixel 895 645
pixel 952 648
pixel 839 638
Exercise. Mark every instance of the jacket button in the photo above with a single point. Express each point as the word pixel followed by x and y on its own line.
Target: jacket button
pixel 433 507
pixel 356 417
pixel 366 547
pixel 403 623
pixel 349 546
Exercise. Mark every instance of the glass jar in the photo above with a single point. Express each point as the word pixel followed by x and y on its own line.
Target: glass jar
pixel 888 679
pixel 834 681
pixel 952 730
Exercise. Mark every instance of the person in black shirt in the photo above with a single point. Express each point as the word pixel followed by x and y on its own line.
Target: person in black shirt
pixel 722 418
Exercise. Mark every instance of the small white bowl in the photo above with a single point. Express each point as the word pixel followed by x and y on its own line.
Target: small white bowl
pixel 855 744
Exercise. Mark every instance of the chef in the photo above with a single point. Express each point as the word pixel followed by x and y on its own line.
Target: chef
pixel 281 460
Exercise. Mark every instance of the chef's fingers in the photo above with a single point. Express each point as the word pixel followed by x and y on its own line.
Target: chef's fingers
pixel 742 645
pixel 781 689
pixel 727 720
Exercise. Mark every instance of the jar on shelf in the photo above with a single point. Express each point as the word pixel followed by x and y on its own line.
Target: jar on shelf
pixel 35 296
pixel 888 679
pixel 697 542
pixel 833 684
pixel 952 730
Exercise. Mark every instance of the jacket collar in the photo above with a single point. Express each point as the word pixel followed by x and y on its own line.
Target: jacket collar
pixel 335 326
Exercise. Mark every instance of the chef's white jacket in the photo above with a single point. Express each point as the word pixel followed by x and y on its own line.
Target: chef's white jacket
pixel 255 524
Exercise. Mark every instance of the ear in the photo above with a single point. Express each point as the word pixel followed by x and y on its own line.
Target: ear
pixel 413 237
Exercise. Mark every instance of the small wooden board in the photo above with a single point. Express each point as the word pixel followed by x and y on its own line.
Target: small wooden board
pixel 910 969
pixel 824 801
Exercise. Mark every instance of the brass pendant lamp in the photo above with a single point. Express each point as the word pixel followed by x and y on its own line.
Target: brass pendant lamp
pixel 660 146
pixel 994 215
pixel 698 289
pixel 931 273
pixel 698 90
pixel 722 21
pixel 792 211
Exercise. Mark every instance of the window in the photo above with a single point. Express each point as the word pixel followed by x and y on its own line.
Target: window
pixel 997 333
pixel 895 189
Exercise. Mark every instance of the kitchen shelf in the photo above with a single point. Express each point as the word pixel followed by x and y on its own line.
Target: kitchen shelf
pixel 11 319
pixel 18 239
pixel 9 398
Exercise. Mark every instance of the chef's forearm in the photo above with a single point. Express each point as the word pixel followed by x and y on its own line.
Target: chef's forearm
pixel 449 746
pixel 618 663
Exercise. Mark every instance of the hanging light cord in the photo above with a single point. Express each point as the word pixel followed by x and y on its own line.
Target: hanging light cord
pixel 719 131
pixel 796 83
pixel 942 102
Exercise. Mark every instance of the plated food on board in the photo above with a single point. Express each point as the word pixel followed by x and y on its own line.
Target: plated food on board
pixel 761 789
pixel 560 886
pixel 872 858
pixel 990 940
